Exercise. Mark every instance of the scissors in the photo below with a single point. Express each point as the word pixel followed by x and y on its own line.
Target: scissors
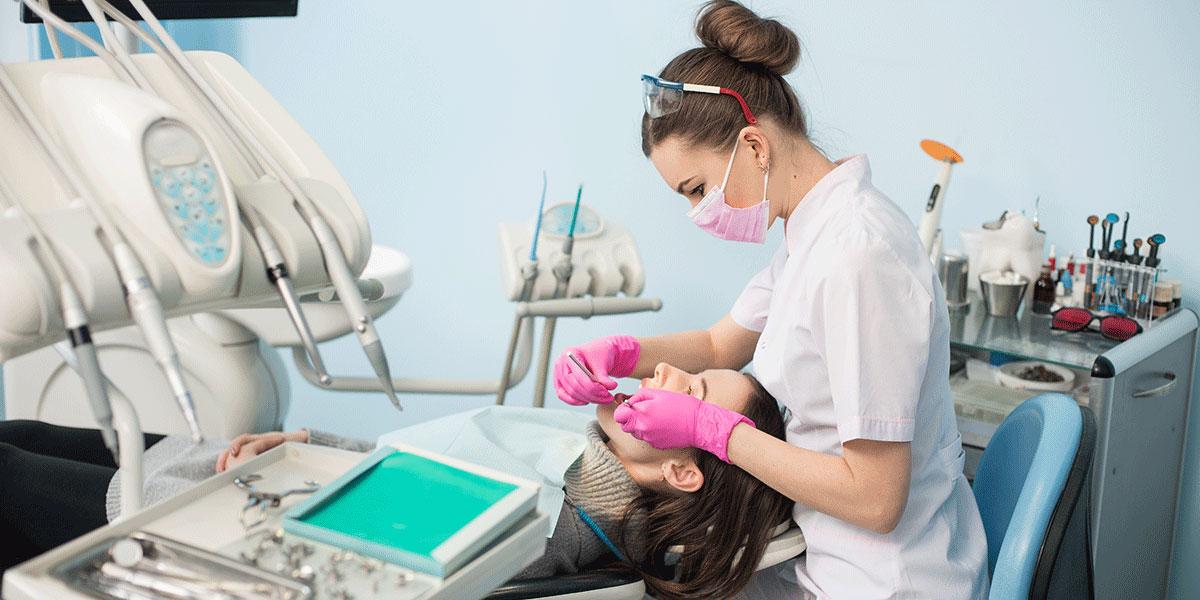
pixel 256 498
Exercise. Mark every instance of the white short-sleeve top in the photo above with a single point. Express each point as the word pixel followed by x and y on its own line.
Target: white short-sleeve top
pixel 855 342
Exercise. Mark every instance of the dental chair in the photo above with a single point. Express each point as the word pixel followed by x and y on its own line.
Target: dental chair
pixel 614 582
pixel 1031 487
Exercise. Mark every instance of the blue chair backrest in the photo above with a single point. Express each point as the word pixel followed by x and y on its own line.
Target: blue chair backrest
pixel 1018 484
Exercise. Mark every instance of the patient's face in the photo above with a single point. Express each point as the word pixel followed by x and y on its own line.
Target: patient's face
pixel 723 387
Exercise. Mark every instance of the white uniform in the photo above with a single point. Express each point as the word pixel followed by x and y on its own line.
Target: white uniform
pixel 855 342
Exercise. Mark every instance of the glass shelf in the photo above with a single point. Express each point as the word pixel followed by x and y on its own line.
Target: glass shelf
pixel 1028 336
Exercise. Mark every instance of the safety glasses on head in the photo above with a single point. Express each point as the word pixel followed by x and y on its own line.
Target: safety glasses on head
pixel 662 97
pixel 1113 327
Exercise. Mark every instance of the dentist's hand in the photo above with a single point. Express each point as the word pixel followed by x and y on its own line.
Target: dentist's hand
pixel 607 357
pixel 666 419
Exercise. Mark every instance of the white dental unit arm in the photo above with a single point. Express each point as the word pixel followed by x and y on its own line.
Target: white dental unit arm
pixel 583 264
pixel 170 185
pixel 606 263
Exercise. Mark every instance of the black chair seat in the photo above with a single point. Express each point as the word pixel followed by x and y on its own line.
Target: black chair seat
pixel 549 587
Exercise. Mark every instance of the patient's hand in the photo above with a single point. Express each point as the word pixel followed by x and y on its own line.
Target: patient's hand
pixel 248 445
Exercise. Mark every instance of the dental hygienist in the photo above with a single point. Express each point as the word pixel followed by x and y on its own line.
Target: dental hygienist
pixel 847 327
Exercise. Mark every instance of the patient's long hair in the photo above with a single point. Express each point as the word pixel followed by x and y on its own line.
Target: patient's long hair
pixel 724 527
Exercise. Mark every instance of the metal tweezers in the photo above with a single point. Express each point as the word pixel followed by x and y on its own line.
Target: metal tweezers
pixel 263 501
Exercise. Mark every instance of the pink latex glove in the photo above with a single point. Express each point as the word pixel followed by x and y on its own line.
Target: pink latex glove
pixel 666 419
pixel 607 357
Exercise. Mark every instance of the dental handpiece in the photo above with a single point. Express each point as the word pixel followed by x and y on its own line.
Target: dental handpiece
pixel 277 273
pixel 335 260
pixel 140 297
pixel 78 330
pixel 352 302
pixel 148 313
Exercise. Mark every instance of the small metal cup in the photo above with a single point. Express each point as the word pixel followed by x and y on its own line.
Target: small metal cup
pixel 1002 299
pixel 952 270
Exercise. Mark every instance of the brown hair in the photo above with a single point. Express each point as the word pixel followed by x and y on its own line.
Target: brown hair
pixel 742 52
pixel 733 513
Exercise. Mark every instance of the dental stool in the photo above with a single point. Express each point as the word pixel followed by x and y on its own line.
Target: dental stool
pixel 618 583
pixel 1032 491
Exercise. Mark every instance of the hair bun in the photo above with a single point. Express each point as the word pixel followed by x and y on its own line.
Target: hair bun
pixel 740 33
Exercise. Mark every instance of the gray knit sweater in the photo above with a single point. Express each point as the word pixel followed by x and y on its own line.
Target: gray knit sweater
pixel 597 482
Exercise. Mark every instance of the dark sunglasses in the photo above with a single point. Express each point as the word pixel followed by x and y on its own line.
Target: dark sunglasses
pixel 1113 327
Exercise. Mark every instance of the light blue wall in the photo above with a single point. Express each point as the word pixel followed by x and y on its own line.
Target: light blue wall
pixel 442 116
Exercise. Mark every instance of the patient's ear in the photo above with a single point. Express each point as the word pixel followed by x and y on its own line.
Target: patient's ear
pixel 683 475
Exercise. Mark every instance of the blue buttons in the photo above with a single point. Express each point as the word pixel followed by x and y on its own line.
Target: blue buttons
pixel 172 187
pixel 198 215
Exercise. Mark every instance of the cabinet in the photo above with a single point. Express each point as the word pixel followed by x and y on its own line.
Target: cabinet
pixel 1140 392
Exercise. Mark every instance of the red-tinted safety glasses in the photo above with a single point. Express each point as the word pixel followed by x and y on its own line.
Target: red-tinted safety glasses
pixel 1113 327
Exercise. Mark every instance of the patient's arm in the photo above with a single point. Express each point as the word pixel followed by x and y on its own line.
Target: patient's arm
pixel 248 445
pixel 725 345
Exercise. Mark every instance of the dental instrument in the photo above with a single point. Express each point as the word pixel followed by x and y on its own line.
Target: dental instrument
pixel 1092 220
pixel 563 269
pixel 1136 258
pixel 582 368
pixel 1109 226
pixel 334 257
pixel 1124 236
pixel 1155 241
pixel 529 273
pixel 264 501
pixel 276 269
pixel 75 319
pixel 141 298
pixel 931 222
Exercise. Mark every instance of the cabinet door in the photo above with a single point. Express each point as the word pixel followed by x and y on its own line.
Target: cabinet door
pixel 1135 477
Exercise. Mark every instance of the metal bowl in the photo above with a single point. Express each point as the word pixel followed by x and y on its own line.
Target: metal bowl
pixel 1003 292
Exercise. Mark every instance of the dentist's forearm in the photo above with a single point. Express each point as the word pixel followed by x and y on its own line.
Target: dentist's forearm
pixel 725 345
pixel 687 350
pixel 867 486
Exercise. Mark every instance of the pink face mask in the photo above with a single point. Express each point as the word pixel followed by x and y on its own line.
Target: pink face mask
pixel 713 215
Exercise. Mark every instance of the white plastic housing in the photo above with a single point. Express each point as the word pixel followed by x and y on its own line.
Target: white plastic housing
pixel 165 187
pixel 605 258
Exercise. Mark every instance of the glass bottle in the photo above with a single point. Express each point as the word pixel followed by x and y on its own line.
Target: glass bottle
pixel 1043 292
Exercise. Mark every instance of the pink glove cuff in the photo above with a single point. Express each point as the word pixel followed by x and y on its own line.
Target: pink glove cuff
pixel 628 349
pixel 714 425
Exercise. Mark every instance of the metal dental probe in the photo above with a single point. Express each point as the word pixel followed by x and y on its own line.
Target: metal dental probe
pixel 580 365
